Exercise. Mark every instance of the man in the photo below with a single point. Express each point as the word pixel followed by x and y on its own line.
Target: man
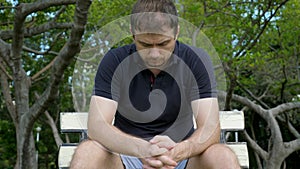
pixel 152 89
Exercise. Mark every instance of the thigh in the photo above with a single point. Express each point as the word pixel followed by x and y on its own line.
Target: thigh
pixel 92 155
pixel 215 156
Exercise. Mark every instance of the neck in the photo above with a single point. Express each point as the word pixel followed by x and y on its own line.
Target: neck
pixel 155 71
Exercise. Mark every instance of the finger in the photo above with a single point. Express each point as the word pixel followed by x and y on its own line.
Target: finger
pixel 156 151
pixel 167 145
pixel 167 161
pixel 158 138
pixel 163 142
pixel 152 162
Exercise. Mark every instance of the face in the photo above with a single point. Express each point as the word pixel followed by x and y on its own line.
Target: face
pixel 155 49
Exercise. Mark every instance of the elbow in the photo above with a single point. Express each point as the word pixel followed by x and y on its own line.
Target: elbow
pixel 97 128
pixel 217 135
pixel 92 132
pixel 94 126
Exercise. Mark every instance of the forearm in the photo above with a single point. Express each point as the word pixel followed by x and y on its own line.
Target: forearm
pixel 100 129
pixel 119 142
pixel 206 113
pixel 196 144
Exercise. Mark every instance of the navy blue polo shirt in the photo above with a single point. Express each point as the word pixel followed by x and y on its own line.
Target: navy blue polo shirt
pixel 161 105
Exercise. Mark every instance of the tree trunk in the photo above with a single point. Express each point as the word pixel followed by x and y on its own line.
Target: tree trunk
pixel 25 141
pixel 274 163
pixel 26 158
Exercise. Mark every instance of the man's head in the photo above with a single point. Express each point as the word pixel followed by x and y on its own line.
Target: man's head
pixel 154 16
pixel 154 24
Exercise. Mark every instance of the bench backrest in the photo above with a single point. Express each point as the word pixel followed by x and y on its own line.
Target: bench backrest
pixel 77 121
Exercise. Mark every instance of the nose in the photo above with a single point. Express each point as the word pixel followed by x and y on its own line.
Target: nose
pixel 154 52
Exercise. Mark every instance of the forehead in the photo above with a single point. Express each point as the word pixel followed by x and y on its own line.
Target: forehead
pixel 152 38
pixel 153 22
pixel 168 33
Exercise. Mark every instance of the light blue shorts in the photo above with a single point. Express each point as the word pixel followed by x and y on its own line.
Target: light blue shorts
pixel 131 162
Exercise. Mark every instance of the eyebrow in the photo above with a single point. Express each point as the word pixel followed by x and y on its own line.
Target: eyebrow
pixel 160 43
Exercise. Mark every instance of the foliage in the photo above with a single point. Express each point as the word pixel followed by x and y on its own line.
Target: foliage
pixel 258 41
pixel 37 48
pixel 7 144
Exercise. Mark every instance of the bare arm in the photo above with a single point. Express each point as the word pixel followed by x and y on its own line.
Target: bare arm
pixel 206 112
pixel 100 128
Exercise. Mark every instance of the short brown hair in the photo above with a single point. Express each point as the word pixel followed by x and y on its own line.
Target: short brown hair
pixel 154 14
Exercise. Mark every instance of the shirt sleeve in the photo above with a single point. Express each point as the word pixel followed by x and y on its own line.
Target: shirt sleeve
pixel 105 80
pixel 203 72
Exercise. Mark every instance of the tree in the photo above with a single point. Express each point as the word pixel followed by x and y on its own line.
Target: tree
pixel 256 42
pixel 30 20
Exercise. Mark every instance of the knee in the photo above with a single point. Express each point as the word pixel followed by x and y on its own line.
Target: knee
pixel 91 147
pixel 221 148
pixel 91 154
pixel 225 154
pixel 87 155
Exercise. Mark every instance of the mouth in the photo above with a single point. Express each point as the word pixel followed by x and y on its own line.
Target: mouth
pixel 155 63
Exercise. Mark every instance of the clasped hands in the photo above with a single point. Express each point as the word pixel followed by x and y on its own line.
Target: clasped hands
pixel 160 154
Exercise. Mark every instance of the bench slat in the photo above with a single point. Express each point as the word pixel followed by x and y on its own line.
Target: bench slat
pixel 73 122
pixel 241 151
pixel 65 155
pixel 77 121
pixel 232 120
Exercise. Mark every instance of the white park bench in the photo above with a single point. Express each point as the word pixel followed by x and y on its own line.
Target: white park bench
pixel 76 122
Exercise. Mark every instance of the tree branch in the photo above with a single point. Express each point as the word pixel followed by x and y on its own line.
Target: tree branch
pixel 285 107
pixel 252 95
pixel 5 71
pixel 245 101
pixel 21 82
pixel 7 97
pixel 29 8
pixel 46 27
pixel 290 126
pixel 55 132
pixel 232 84
pixel 292 146
pixel 6 7
pixel 34 77
pixel 29 32
pixel 262 153
pixel 47 51
pixel 252 130
pixel 5 49
pixel 52 124
pixel 59 12
pixel 64 58
pixel 252 43
pixel 27 49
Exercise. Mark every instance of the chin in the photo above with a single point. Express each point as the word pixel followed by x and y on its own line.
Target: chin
pixel 155 65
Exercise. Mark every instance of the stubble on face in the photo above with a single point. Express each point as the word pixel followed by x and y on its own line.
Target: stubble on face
pixel 155 49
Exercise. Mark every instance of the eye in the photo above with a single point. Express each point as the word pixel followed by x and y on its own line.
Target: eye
pixel 163 43
pixel 147 45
